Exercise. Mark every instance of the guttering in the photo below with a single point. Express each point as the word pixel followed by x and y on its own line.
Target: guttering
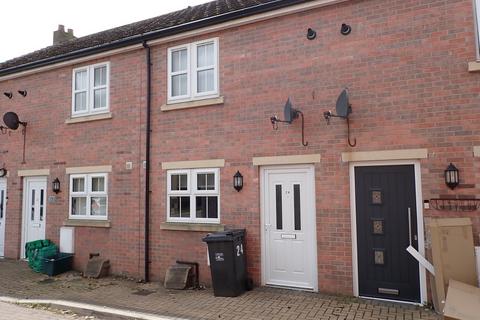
pixel 140 38
pixel 147 166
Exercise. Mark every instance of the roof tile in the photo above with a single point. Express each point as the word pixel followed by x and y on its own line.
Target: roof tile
pixel 189 14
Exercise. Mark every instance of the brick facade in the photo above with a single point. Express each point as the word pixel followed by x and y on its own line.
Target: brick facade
pixel 405 64
pixel 53 144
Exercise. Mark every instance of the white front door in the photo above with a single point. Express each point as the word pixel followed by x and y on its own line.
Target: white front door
pixel 289 227
pixel 3 208
pixel 34 196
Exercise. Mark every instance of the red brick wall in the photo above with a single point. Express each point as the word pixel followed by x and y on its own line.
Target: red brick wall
pixel 405 64
pixel 53 144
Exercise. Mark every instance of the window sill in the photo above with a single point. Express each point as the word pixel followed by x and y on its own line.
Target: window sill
pixel 93 117
pixel 87 223
pixel 192 104
pixel 183 226
pixel 474 66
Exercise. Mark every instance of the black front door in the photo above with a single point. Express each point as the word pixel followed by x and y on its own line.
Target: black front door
pixel 386 226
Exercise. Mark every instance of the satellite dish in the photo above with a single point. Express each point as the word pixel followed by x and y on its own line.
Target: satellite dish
pixel 343 110
pixel 343 105
pixel 12 121
pixel 289 112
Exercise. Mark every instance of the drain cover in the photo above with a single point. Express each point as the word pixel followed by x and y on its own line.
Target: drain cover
pixel 143 292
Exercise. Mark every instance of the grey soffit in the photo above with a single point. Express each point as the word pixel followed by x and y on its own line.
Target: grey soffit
pixel 168 24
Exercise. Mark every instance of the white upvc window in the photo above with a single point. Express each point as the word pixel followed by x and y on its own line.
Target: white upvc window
pixel 193 71
pixel 90 89
pixel 477 23
pixel 89 196
pixel 193 195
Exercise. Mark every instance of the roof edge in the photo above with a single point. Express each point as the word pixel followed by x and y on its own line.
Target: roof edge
pixel 137 39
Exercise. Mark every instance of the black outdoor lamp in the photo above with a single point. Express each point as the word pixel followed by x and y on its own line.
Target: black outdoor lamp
pixel 56 185
pixel 451 176
pixel 238 181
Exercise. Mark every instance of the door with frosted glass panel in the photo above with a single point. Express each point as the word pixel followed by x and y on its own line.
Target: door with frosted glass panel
pixel 35 197
pixel 289 215
pixel 3 208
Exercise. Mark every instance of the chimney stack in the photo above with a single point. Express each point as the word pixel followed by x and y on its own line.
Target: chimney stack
pixel 60 36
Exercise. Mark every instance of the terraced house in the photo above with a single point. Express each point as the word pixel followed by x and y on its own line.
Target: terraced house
pixel 145 126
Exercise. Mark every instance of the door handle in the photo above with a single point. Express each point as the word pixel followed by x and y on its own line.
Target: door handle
pixel 410 226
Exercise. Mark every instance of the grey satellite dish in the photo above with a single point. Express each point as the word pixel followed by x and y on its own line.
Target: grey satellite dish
pixel 289 112
pixel 12 121
pixel 343 105
pixel 343 110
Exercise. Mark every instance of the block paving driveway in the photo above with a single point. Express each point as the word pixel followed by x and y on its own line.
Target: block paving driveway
pixel 18 281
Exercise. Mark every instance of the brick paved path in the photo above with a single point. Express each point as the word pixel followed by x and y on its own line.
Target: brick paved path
pixel 18 281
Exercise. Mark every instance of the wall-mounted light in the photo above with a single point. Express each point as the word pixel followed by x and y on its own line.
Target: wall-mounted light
pixel 9 94
pixel 3 172
pixel 345 29
pixel 23 93
pixel 238 181
pixel 452 178
pixel 56 185
pixel 311 34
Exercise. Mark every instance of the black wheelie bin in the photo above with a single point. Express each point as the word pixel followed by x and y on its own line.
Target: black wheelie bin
pixel 226 250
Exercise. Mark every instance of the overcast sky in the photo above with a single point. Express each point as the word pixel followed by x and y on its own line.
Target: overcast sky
pixel 28 25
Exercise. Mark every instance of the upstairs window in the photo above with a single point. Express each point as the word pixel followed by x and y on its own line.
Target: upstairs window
pixel 90 89
pixel 193 196
pixel 193 71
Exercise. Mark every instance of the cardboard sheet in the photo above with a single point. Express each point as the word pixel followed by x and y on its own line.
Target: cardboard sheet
pixel 452 254
pixel 463 302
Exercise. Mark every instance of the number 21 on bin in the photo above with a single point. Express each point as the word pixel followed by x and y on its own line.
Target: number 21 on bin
pixel 239 249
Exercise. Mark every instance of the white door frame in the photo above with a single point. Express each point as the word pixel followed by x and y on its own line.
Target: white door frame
pixel 4 181
pixel 420 226
pixel 263 240
pixel 27 179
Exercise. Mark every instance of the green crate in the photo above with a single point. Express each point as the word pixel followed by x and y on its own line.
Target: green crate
pixel 38 251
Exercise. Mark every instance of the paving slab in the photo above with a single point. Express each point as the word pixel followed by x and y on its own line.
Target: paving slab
pixel 10 311
pixel 18 281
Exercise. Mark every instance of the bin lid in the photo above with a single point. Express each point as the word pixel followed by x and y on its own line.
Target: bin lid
pixel 227 235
